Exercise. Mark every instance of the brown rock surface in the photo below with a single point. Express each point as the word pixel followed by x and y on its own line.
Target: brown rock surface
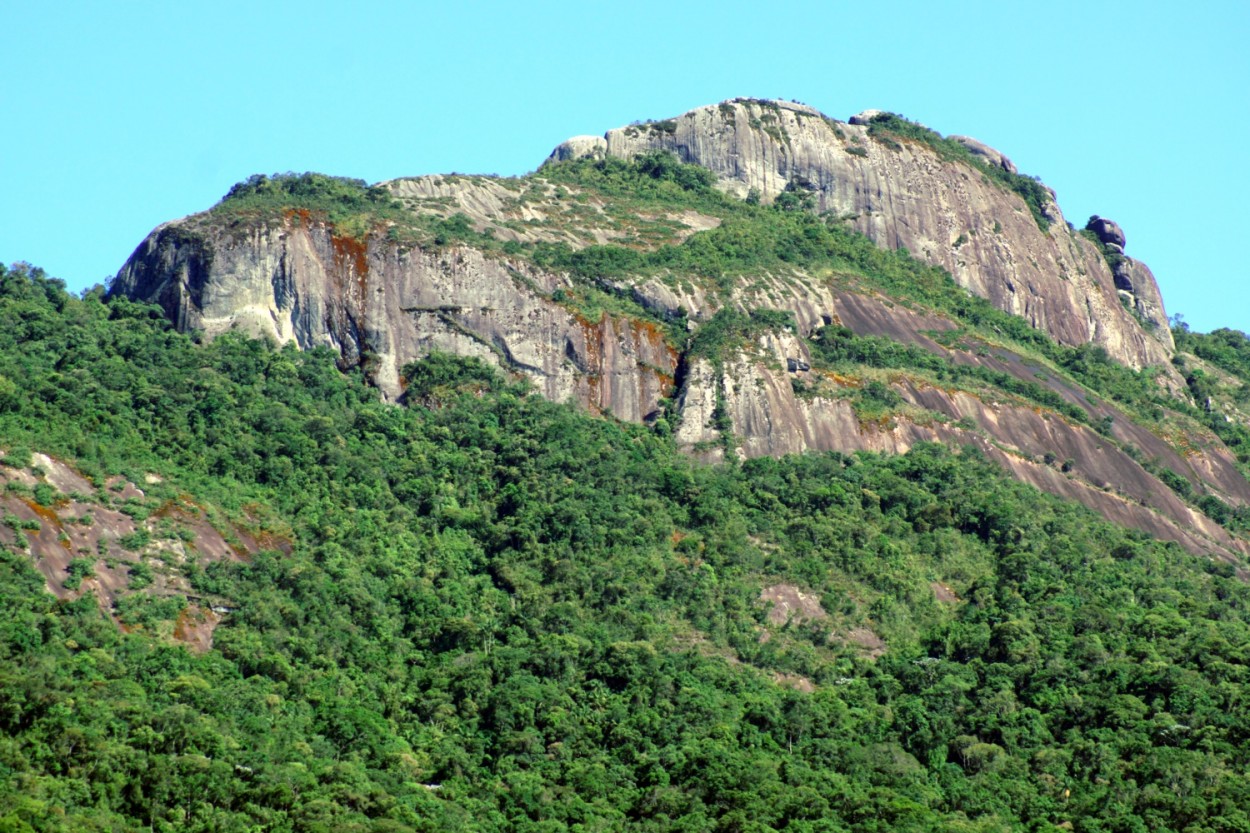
pixel 89 524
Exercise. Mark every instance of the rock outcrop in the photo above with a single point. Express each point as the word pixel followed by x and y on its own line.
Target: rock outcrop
pixel 85 542
pixel 986 152
pixel 579 147
pixel 1133 280
pixel 773 416
pixel 864 117
pixel 379 302
pixel 904 195
pixel 378 305
pixel 1107 231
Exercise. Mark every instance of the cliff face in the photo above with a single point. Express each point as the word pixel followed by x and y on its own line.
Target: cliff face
pixel 380 302
pixel 771 415
pixel 904 195
pixel 378 305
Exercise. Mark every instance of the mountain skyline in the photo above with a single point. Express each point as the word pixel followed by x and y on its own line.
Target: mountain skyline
pixel 126 120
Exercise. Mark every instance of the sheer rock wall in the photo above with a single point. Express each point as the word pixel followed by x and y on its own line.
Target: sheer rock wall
pixel 903 195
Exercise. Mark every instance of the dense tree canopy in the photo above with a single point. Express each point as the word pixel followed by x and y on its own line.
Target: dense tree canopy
pixel 499 613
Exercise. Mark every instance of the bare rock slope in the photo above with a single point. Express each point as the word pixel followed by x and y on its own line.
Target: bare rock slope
pixel 905 195
pixel 126 548
pixel 379 302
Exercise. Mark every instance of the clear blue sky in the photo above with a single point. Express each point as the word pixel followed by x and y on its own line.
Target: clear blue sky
pixel 121 115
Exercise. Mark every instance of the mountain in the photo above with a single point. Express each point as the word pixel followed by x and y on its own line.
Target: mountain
pixel 682 288
pixel 238 590
pixel 463 503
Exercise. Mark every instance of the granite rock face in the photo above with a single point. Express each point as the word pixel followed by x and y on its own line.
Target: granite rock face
pixel 380 304
pixel 1140 293
pixel 579 147
pixel 771 415
pixel 986 152
pixel 1133 280
pixel 903 195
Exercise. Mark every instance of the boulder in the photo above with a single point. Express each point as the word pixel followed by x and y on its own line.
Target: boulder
pixel 865 117
pixel 579 147
pixel 985 152
pixel 1108 231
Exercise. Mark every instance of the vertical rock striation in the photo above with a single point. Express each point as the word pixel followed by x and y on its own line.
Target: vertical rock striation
pixel 902 194
pixel 381 306
pixel 379 303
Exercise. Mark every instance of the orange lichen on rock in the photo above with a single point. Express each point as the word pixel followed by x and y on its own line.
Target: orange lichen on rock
pixel 650 339
pixel 194 627
pixel 44 513
pixel 844 381
pixel 352 255
pixel 592 335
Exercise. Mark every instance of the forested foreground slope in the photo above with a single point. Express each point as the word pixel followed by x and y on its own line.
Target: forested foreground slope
pixel 482 610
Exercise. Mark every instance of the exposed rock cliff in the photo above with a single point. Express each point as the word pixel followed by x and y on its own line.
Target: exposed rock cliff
pixel 904 194
pixel 773 416
pixel 379 305
pixel 1133 279
pixel 380 300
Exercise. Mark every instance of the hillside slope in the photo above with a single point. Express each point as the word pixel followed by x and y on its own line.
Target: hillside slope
pixel 695 297
pixel 482 610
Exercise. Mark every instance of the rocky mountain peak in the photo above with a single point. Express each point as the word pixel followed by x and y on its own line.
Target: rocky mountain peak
pixel 953 201
pixel 537 275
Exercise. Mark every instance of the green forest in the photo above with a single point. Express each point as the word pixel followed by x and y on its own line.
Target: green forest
pixel 492 612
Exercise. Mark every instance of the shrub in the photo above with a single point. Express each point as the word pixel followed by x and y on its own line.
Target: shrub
pixel 46 494
pixel 136 540
pixel 78 569
pixel 17 456
pixel 139 576
pixel 1175 482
